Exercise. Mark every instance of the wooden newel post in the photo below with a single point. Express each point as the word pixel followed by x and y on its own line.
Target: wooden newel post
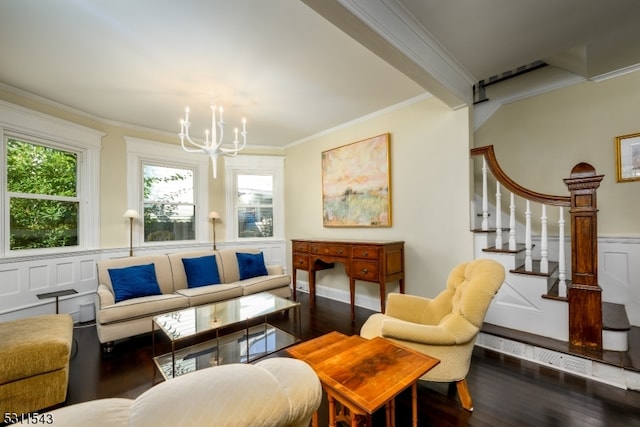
pixel 584 293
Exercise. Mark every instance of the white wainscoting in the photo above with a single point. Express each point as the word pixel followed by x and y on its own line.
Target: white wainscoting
pixel 619 273
pixel 23 278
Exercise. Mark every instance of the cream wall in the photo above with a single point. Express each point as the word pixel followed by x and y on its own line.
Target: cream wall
pixel 113 168
pixel 539 139
pixel 429 188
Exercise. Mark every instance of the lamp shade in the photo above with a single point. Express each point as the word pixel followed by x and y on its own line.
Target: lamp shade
pixel 214 215
pixel 131 213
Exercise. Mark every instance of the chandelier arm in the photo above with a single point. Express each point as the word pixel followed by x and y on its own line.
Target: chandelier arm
pixel 214 146
pixel 230 150
pixel 200 146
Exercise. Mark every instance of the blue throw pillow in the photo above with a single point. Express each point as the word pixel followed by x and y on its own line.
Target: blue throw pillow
pixel 201 271
pixel 135 281
pixel 251 265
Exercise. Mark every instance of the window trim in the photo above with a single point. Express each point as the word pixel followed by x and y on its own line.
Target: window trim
pixel 254 165
pixel 20 122
pixel 163 154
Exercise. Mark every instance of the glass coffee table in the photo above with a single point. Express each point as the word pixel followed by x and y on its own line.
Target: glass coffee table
pixel 250 341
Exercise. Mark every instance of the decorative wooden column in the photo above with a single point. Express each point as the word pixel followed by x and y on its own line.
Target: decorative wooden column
pixel 584 293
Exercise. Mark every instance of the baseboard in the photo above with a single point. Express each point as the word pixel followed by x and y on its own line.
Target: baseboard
pixel 341 295
pixel 582 367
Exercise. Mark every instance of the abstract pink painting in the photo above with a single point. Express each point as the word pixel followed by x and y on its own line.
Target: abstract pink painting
pixel 356 185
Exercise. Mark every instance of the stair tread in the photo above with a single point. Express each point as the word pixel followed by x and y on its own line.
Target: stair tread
pixel 536 269
pixel 520 247
pixel 554 291
pixel 614 317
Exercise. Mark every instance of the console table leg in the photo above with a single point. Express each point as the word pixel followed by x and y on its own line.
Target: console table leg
pixel 295 285
pixel 312 288
pixel 383 296
pixel 352 296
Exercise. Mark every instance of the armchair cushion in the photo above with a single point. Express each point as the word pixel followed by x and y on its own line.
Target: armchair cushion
pixel 417 309
pixel 415 332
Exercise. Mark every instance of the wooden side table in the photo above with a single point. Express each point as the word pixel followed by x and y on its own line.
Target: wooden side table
pixel 57 295
pixel 363 375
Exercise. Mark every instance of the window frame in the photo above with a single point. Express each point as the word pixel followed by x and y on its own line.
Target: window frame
pixel 41 129
pixel 140 152
pixel 254 165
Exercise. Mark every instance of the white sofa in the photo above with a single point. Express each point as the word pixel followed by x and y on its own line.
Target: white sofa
pixel 276 392
pixel 132 316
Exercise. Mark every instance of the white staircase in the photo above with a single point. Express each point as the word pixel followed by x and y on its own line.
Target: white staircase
pixel 520 303
pixel 533 299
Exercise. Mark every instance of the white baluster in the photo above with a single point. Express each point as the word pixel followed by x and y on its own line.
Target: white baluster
pixel 512 223
pixel 544 243
pixel 562 269
pixel 528 261
pixel 485 201
pixel 498 217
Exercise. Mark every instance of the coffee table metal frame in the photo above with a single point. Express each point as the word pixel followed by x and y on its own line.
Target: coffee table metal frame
pixel 191 323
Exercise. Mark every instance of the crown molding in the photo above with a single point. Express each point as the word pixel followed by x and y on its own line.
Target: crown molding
pixel 387 29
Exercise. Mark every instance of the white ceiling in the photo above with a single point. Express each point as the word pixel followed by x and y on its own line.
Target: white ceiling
pixel 283 65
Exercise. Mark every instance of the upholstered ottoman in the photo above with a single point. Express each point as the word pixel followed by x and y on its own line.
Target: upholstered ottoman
pixel 34 362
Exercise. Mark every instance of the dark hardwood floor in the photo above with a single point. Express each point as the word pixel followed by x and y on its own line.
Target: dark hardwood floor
pixel 506 391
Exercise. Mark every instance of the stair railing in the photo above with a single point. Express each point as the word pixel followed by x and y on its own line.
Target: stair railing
pixel 583 293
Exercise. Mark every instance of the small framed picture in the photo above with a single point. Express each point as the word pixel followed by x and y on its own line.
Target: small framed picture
pixel 628 157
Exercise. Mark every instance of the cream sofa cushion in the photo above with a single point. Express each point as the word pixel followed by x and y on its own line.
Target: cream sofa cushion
pixel 264 283
pixel 229 260
pixel 141 307
pixel 160 262
pixel 211 293
pixel 178 271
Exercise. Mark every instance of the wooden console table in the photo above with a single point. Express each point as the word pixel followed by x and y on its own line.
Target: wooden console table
pixel 370 261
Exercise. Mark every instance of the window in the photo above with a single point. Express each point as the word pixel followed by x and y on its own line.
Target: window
pixel 169 187
pixel 49 184
pixel 255 197
pixel 43 199
pixel 169 206
pixel 255 205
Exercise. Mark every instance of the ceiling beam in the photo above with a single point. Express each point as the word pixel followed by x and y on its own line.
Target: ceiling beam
pixel 388 30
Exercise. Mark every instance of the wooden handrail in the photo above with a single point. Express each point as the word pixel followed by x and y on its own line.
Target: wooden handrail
pixel 584 295
pixel 508 183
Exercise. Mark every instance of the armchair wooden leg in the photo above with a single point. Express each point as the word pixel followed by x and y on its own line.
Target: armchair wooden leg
pixel 463 394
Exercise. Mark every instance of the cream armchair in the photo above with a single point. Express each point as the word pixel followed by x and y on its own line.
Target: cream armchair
pixel 446 326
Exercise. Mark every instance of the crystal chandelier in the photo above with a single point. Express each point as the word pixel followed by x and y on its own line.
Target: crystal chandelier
pixel 214 146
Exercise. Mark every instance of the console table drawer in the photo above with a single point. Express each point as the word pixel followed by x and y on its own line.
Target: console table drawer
pixel 301 261
pixel 365 252
pixel 364 270
pixel 300 246
pixel 333 250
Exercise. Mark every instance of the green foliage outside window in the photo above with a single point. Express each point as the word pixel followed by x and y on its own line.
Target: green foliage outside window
pixel 42 187
pixel 169 210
